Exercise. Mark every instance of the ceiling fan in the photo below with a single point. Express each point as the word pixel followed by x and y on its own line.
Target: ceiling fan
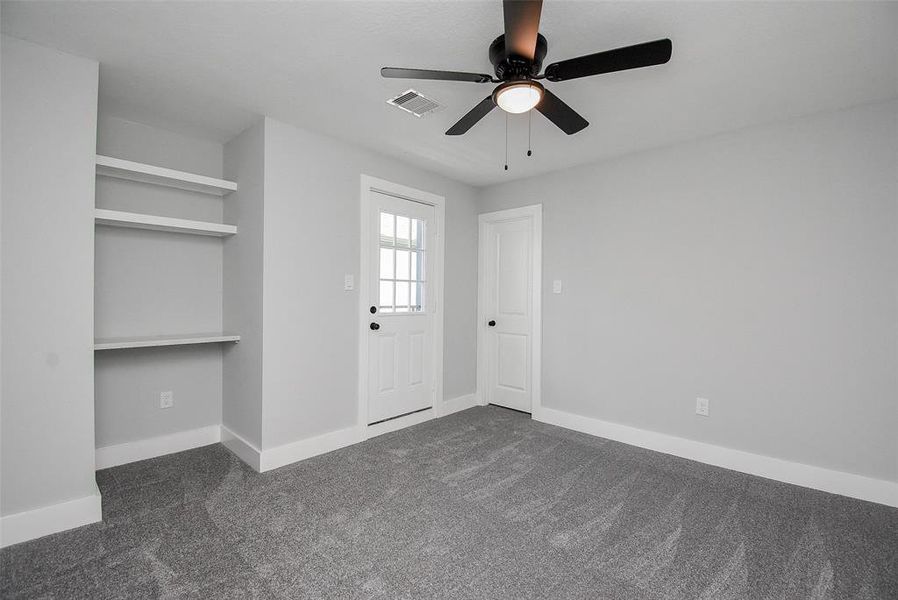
pixel 518 57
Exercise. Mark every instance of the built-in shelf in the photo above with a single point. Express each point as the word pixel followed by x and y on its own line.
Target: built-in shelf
pixel 135 171
pixel 163 340
pixel 117 218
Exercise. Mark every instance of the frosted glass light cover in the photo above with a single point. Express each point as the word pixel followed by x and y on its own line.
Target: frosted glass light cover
pixel 518 98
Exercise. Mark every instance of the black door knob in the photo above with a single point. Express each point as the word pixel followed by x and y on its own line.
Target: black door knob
pixel 492 323
pixel 373 309
pixel 374 326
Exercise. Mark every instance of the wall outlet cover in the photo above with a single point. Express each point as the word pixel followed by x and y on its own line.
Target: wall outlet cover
pixel 166 399
pixel 556 286
pixel 702 406
pixel 348 283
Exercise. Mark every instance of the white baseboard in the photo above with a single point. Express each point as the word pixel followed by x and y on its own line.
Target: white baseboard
pixel 279 456
pixel 244 450
pixel 459 403
pixel 836 482
pixel 286 454
pixel 120 454
pixel 31 524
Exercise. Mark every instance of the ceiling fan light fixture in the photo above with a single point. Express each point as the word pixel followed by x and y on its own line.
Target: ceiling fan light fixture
pixel 517 97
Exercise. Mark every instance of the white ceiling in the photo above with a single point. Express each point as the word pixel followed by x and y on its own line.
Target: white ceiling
pixel 210 69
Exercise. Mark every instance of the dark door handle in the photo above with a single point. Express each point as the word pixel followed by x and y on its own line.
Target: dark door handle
pixel 492 323
pixel 374 326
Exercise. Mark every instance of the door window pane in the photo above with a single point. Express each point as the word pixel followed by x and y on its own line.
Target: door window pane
pixel 402 295
pixel 418 290
pixel 417 233
pixel 386 296
pixel 403 231
pixel 386 263
pixel 417 267
pixel 401 265
pixel 387 229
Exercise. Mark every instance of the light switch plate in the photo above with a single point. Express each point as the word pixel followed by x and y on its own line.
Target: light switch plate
pixel 702 406
pixel 556 286
pixel 166 399
pixel 348 283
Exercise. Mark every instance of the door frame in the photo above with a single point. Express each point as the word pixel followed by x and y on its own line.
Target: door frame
pixel 435 269
pixel 535 213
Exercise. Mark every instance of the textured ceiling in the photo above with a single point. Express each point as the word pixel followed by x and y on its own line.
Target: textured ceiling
pixel 210 69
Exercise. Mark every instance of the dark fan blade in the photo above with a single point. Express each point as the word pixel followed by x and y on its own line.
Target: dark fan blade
pixel 474 115
pixel 620 59
pixel 397 73
pixel 521 26
pixel 560 113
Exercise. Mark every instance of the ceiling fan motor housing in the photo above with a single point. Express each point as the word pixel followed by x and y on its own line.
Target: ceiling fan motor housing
pixel 510 66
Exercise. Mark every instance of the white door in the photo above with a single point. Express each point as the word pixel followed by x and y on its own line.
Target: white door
pixel 400 313
pixel 509 306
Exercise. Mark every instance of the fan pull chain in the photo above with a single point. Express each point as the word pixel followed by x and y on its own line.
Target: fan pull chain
pixel 506 141
pixel 529 119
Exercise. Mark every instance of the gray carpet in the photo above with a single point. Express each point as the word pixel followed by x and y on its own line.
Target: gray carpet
pixel 482 504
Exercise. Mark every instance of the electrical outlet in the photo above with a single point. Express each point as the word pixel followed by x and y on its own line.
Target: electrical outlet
pixel 702 406
pixel 556 286
pixel 166 399
pixel 348 283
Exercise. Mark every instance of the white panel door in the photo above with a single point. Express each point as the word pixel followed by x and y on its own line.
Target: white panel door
pixel 508 310
pixel 401 316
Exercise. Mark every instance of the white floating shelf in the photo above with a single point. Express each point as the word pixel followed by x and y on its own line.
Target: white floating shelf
pixel 163 340
pixel 117 218
pixel 135 171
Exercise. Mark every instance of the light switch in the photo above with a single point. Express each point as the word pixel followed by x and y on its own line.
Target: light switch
pixel 348 283
pixel 556 286
pixel 702 406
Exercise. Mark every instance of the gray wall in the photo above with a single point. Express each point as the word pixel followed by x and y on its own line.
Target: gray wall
pixel 758 269
pixel 312 186
pixel 242 376
pixel 49 120
pixel 154 283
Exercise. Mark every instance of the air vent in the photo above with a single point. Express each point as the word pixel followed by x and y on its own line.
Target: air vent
pixel 413 102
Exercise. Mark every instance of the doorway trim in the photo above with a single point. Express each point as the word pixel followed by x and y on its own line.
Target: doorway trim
pixel 435 269
pixel 535 213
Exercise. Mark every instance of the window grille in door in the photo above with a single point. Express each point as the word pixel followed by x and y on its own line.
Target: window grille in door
pixel 402 260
